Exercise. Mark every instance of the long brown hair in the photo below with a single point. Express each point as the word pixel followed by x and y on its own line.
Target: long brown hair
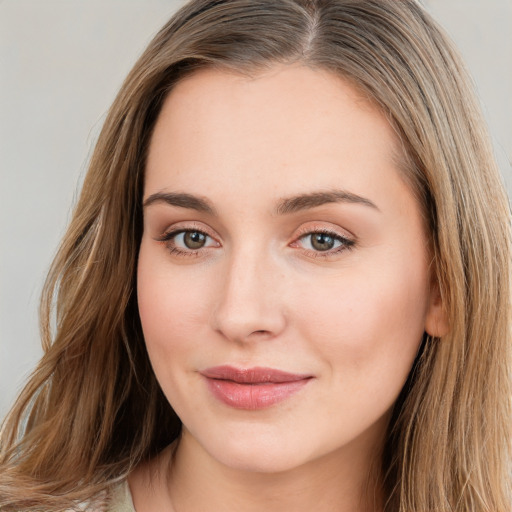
pixel 92 409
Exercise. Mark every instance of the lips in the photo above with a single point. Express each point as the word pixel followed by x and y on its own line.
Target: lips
pixel 253 388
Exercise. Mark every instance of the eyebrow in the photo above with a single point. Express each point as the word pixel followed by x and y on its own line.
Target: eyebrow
pixel 314 199
pixel 285 206
pixel 181 200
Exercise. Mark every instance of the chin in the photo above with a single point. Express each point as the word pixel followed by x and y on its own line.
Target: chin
pixel 260 460
pixel 259 453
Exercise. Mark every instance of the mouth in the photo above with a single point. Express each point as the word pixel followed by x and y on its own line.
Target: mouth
pixel 253 388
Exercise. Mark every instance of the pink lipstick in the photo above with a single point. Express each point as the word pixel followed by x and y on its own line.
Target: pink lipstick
pixel 252 388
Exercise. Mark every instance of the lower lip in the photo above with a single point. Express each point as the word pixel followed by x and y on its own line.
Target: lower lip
pixel 253 396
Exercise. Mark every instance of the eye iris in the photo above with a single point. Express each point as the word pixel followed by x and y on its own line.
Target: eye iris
pixel 322 241
pixel 194 239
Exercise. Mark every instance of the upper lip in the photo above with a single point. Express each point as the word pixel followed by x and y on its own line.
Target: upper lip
pixel 253 375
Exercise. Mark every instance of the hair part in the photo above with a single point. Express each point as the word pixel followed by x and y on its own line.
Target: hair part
pixel 93 409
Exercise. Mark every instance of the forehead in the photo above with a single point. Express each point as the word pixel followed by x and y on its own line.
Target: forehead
pixel 290 126
pixel 295 90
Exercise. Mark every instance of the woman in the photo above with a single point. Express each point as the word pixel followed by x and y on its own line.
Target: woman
pixel 286 282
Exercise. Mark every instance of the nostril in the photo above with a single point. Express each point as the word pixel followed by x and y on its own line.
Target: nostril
pixel 262 332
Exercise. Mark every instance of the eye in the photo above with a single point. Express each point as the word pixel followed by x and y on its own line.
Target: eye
pixel 191 239
pixel 187 241
pixel 326 242
pixel 322 241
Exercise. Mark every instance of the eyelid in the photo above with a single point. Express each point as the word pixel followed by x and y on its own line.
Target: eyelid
pixel 179 227
pixel 324 227
pixel 173 234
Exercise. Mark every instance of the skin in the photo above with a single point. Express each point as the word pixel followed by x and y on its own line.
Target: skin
pixel 259 293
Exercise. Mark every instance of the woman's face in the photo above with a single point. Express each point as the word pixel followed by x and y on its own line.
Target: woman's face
pixel 283 279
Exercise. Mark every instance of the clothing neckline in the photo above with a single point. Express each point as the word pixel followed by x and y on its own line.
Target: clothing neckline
pixel 120 499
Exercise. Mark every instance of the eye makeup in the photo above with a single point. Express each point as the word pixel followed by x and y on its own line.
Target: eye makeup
pixel 316 242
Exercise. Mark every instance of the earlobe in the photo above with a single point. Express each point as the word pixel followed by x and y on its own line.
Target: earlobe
pixel 436 320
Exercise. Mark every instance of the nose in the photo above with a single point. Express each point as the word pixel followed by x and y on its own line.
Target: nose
pixel 250 305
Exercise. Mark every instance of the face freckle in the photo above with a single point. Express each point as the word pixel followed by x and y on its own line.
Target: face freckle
pixel 277 159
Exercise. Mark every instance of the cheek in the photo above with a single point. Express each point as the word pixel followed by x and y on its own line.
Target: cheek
pixel 368 325
pixel 171 305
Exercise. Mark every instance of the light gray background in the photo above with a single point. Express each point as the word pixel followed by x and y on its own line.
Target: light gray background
pixel 61 63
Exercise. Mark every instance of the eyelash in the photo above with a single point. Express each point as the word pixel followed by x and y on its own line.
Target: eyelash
pixel 345 243
pixel 168 239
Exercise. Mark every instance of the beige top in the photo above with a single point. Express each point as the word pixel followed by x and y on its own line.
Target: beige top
pixel 120 499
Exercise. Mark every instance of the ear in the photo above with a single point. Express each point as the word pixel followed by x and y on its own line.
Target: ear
pixel 436 319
